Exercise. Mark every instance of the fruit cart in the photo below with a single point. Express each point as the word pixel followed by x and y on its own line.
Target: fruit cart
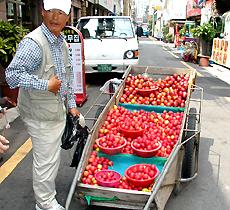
pixel 179 167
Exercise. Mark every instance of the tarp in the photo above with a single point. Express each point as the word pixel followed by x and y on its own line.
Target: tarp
pixel 122 161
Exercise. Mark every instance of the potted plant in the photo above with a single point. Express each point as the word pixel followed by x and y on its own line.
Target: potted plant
pixel 206 33
pixel 11 35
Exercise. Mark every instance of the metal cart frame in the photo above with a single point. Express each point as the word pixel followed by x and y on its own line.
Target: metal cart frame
pixel 171 176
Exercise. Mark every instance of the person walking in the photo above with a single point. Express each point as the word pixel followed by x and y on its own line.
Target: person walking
pixel 41 68
pixel 139 31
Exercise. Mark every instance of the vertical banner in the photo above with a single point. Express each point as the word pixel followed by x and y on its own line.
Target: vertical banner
pixel 75 42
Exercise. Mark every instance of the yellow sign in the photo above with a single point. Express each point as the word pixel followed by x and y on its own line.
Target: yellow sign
pixel 158 7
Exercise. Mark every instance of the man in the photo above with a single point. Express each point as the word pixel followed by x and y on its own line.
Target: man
pixel 42 70
pixel 139 31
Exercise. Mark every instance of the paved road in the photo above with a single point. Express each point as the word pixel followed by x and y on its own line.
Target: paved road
pixel 209 191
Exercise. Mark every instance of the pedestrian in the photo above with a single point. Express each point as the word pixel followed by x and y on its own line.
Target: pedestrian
pixel 41 68
pixel 3 141
pixel 139 31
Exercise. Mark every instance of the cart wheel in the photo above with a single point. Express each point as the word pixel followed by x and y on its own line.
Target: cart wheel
pixel 188 165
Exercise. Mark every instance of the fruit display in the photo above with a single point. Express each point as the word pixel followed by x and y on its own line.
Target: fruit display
pixel 145 147
pixel 161 134
pixel 111 144
pixel 138 133
pixel 159 127
pixel 97 173
pixel 108 178
pixel 141 175
pixel 170 91
pixel 94 165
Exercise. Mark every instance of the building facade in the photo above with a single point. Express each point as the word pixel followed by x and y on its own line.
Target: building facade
pixel 28 12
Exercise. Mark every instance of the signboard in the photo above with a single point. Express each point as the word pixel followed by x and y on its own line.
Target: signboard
pixel 221 52
pixel 192 9
pixel 74 39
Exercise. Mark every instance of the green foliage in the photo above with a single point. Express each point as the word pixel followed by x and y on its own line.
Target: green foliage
pixel 150 24
pixel 169 38
pixel 10 36
pixel 165 30
pixel 206 31
pixel 182 31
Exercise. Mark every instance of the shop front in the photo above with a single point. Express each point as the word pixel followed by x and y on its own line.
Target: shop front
pixel 220 47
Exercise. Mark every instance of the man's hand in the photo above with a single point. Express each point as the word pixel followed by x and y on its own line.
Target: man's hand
pixel 74 112
pixel 54 84
pixel 3 144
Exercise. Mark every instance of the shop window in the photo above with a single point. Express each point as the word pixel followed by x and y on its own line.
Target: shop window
pixel 14 11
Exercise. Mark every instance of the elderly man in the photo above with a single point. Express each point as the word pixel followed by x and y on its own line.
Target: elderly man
pixel 42 70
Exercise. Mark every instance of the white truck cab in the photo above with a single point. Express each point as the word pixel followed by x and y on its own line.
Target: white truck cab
pixel 110 43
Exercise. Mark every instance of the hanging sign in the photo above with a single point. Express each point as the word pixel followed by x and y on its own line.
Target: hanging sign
pixel 74 39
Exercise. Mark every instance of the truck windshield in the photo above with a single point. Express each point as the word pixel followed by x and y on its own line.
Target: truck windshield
pixel 94 28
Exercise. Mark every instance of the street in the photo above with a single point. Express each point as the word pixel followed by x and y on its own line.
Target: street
pixel 209 191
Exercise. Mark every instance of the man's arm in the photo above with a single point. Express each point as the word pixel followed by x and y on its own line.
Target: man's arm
pixel 26 60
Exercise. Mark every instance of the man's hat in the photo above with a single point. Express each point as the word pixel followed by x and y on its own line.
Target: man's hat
pixel 64 5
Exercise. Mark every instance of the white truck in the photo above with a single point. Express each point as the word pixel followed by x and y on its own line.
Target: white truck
pixel 110 43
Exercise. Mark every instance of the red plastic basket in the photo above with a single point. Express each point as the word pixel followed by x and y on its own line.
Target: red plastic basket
pixel 110 151
pixel 141 183
pixel 145 153
pixel 132 133
pixel 114 183
pixel 146 92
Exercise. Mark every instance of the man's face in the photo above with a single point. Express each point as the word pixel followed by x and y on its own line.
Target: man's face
pixel 55 20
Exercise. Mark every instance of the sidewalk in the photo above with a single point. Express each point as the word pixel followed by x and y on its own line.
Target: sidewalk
pixel 215 70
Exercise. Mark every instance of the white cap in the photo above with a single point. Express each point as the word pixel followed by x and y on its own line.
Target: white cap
pixel 64 5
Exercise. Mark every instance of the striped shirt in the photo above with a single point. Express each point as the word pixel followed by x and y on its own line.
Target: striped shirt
pixel 28 59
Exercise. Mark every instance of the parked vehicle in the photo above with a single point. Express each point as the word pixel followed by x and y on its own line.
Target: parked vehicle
pixel 110 43
pixel 145 32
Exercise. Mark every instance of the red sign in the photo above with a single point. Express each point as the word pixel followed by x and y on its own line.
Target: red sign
pixel 192 8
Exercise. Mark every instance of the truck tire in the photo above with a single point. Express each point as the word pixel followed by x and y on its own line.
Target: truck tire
pixel 188 165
